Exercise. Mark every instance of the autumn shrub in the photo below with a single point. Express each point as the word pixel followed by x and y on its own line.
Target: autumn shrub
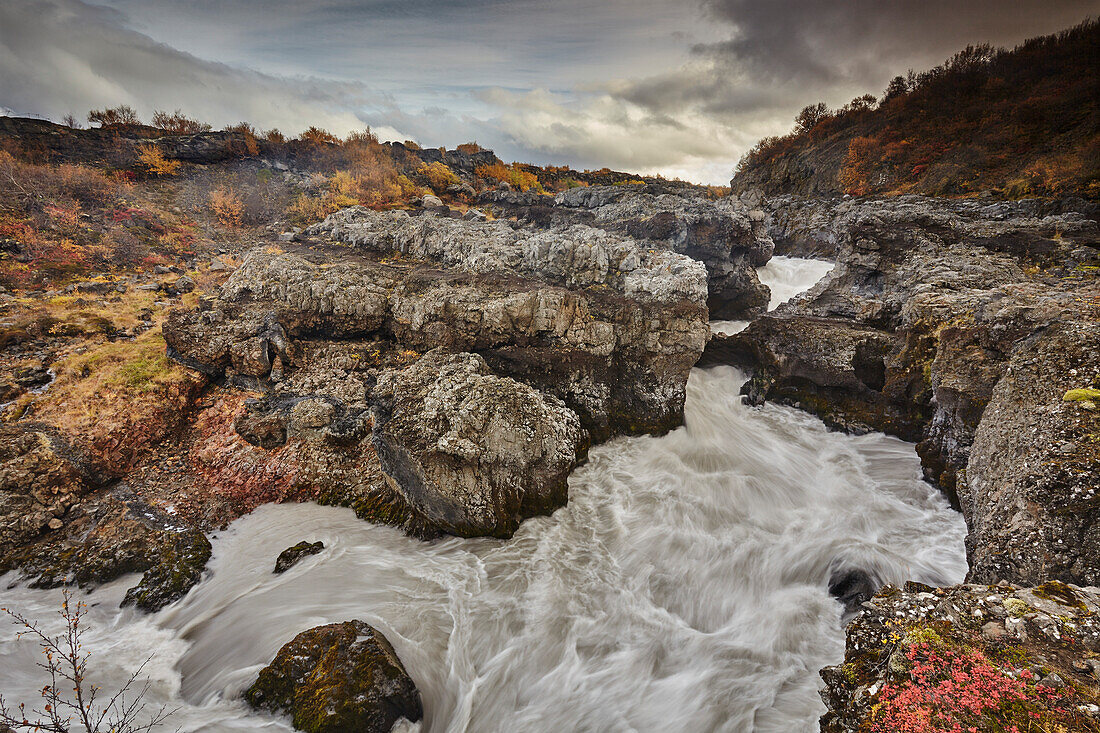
pixel 227 207
pixel 319 136
pixel 153 161
pixel 858 168
pixel 28 186
pixel 437 175
pixel 514 175
pixel 250 135
pixel 470 148
pixel 961 690
pixel 274 136
pixel 178 124
pixel 119 116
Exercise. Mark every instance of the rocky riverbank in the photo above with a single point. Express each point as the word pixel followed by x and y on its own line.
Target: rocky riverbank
pixel 961 326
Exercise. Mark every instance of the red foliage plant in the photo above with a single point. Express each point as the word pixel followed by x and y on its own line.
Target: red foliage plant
pixel 962 691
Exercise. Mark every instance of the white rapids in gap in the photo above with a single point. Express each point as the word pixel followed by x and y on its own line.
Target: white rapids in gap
pixel 787 277
pixel 683 588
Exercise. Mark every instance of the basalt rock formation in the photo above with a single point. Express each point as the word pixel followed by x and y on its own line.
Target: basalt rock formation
pixel 534 344
pixel 959 325
pixel 725 235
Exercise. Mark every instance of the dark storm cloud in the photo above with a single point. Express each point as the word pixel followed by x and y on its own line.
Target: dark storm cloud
pixel 681 87
pixel 786 52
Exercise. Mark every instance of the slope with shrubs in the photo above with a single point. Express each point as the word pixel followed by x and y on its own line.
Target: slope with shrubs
pixel 1024 122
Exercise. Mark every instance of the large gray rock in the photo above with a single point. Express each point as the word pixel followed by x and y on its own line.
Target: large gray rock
pixel 728 237
pixel 1032 488
pixel 473 452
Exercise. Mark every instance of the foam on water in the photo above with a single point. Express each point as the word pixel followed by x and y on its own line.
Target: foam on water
pixel 684 587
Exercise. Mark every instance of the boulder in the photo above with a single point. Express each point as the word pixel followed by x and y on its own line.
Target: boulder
pixel 289 557
pixel 473 452
pixel 337 678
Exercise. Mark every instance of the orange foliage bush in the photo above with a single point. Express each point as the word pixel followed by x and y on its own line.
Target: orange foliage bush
pixel 855 174
pixel 513 175
pixel 319 136
pixel 227 207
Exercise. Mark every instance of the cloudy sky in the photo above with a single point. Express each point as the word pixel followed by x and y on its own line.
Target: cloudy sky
pixel 680 87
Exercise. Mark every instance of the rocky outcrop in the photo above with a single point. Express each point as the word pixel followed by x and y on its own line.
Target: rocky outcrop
pixel 473 452
pixel 997 657
pixel 336 678
pixel 724 234
pixel 41 483
pixel 178 567
pixel 289 557
pixel 558 337
pixel 1032 489
pixel 930 306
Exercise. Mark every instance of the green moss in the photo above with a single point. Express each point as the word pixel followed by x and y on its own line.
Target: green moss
pixel 1084 394
pixel 922 635
pixel 1016 607
pixel 1061 593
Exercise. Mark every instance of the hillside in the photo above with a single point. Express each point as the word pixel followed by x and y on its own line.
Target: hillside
pixel 1022 122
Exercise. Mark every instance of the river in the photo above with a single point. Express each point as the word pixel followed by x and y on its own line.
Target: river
pixel 683 588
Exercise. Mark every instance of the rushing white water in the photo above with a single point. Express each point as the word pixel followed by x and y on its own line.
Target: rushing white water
pixel 684 587
pixel 787 277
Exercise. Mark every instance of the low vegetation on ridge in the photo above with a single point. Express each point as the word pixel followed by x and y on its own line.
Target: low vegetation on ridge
pixel 1021 122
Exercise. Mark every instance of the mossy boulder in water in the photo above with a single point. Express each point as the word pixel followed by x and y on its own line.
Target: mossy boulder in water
pixel 338 677
pixel 291 555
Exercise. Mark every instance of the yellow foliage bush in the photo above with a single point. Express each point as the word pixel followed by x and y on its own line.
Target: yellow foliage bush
pixel 154 162
pixel 438 175
pixel 513 175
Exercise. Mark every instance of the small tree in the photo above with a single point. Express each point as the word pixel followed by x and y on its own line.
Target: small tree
pixel 70 120
pixel 896 88
pixel 114 116
pixel 154 162
pixel 810 116
pixel 68 697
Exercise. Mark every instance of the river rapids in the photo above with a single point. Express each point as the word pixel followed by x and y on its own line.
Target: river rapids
pixel 683 588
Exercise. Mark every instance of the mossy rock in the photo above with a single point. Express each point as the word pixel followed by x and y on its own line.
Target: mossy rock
pixel 335 678
pixel 291 555
pixel 179 568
